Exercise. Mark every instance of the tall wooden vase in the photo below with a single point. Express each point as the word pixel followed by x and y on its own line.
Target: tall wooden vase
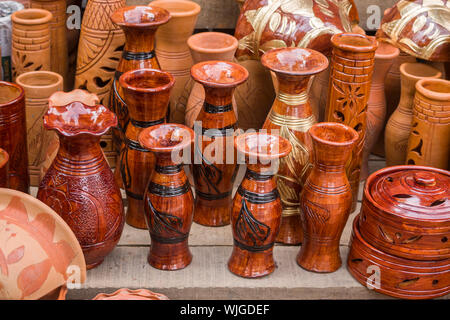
pixel 256 214
pixel 169 203
pixel 173 52
pixel 351 77
pixel 291 117
pixel 398 126
pixel 214 169
pixel 429 140
pixel 146 93
pixel 326 197
pixel 30 50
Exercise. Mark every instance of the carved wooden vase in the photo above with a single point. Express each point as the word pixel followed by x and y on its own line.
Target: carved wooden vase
pixel 376 104
pixel 4 169
pixel 169 203
pixel 429 140
pixel 206 46
pixel 326 197
pixel 146 93
pixel 13 134
pixel 30 50
pixel 214 169
pixel 173 52
pixel 79 185
pixel 398 126
pixel 38 86
pixel 348 93
pixel 291 117
pixel 256 214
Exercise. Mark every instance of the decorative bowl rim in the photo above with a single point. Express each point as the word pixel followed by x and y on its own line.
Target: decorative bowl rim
pixel 117 19
pixel 144 136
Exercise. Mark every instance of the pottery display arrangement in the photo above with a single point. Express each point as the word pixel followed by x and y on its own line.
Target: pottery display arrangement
pixel 4 169
pixel 256 213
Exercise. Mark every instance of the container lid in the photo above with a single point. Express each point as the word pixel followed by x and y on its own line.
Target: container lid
pixel 411 191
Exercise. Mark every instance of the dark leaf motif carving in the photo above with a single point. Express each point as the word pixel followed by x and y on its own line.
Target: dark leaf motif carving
pixel 208 172
pixel 249 229
pixel 161 222
pixel 316 215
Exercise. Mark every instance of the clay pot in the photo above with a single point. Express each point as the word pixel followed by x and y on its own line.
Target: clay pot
pixel 207 46
pixel 399 125
pixel 376 104
pixel 256 214
pixel 58 44
pixel 4 168
pixel 429 140
pixel 173 52
pixel 214 172
pixel 38 86
pixel 13 134
pixel 169 203
pixel 127 294
pixel 99 48
pixel 39 251
pixel 291 116
pixel 79 184
pixel 351 76
pixel 326 197
pixel 146 93
pixel 30 41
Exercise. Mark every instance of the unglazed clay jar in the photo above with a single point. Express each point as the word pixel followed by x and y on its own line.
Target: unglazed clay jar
pixel 4 168
pixel 127 294
pixel 38 251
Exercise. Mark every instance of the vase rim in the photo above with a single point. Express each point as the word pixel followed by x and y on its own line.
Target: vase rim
pixel 219 74
pixel 435 89
pixel 20 93
pixel 268 146
pixel 56 77
pixel 418 71
pixel 4 157
pixel 386 51
pixel 295 61
pixel 159 138
pixel 161 16
pixel 329 133
pixel 194 8
pixel 354 42
pixel 20 16
pixel 126 79
pixel 195 42
pixel 61 98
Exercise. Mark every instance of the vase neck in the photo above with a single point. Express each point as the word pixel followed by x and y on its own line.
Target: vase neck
pixel 165 162
pixel 218 97
pixel 408 89
pixel 139 40
pixel 293 96
pixel 330 158
pixel 81 147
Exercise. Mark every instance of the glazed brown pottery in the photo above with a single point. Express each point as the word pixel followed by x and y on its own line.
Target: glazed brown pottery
pixel 291 117
pixel 351 76
pixel 146 93
pixel 127 294
pixel 39 253
pixel 429 141
pixel 326 197
pixel 79 185
pixel 214 169
pixel 394 276
pixel 376 104
pixel 30 49
pixel 13 134
pixel 169 203
pixel 256 214
pixel 4 168
pixel 38 86
pixel 207 46
pixel 398 127
pixel 173 52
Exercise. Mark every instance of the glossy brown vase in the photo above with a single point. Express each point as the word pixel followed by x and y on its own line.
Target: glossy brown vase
pixel 291 117
pixel 256 214
pixel 429 140
pixel 146 93
pixel 399 124
pixel 79 185
pixel 348 93
pixel 13 134
pixel 4 168
pixel 214 171
pixel 169 203
pixel 326 197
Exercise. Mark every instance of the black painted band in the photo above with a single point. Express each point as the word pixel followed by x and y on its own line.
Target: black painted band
pixel 253 175
pixel 135 145
pixel 146 124
pixel 168 169
pixel 219 132
pixel 128 55
pixel 258 198
pixel 172 240
pixel 134 195
pixel 210 108
pixel 211 197
pixel 253 248
pixel 164 191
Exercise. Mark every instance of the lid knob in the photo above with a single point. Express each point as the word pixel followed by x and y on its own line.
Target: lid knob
pixel 425 179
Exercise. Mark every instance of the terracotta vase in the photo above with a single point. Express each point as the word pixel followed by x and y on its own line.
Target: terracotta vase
pixel 173 52
pixel 13 134
pixel 30 49
pixel 399 124
pixel 348 93
pixel 146 94
pixel 326 197
pixel 139 23
pixel 40 254
pixel 169 203
pixel 291 117
pixel 127 294
pixel 79 185
pixel 318 93
pixel 429 140
pixel 58 43
pixel 99 48
pixel 4 169
pixel 376 104
pixel 38 86
pixel 213 169
pixel 256 214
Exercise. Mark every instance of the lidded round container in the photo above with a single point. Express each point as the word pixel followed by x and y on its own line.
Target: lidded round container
pixel 406 212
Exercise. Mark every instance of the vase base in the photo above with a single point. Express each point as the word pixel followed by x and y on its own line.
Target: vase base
pixel 248 264
pixel 291 232
pixel 166 256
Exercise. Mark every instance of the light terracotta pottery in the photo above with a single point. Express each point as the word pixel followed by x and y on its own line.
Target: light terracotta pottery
pixel 127 294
